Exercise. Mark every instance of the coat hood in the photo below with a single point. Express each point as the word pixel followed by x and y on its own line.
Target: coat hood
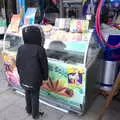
pixel 33 34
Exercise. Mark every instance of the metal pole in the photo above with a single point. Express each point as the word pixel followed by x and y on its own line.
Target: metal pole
pixel 14 9
pixel 61 9
pixel 6 8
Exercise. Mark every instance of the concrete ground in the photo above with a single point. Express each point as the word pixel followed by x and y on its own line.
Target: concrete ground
pixel 12 107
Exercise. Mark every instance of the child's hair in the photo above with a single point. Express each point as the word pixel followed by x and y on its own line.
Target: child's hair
pixel 33 34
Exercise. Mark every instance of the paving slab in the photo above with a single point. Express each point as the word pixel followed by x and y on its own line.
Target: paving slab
pixel 71 117
pixel 13 112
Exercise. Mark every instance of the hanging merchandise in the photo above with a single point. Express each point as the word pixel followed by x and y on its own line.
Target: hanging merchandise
pixel 14 24
pixel 32 16
pixel 21 8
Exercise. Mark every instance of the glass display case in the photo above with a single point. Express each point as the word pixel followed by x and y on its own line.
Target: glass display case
pixel 11 43
pixel 73 71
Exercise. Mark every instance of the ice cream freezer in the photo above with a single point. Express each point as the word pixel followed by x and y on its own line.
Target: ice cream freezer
pixel 73 71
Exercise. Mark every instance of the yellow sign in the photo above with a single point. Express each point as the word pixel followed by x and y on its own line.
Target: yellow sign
pixel 14 25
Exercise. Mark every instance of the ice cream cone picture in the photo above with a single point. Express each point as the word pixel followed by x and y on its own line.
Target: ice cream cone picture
pixel 54 86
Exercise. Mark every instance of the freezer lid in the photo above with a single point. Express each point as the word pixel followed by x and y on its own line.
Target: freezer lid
pixel 60 45
pixel 67 51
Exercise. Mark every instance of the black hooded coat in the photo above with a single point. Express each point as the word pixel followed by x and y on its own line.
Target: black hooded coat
pixel 31 60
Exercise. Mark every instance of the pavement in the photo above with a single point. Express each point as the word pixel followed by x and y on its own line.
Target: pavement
pixel 12 106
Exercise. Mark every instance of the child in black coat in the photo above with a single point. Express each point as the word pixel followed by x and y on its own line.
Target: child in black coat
pixel 32 65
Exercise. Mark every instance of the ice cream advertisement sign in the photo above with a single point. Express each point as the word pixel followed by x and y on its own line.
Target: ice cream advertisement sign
pixel 66 82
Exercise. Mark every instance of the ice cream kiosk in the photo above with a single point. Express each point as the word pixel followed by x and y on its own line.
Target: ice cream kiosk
pixel 73 69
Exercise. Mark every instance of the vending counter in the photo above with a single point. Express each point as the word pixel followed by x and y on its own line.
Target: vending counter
pixel 73 70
